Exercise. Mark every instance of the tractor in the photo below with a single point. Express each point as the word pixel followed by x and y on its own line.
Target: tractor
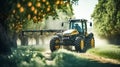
pixel 76 36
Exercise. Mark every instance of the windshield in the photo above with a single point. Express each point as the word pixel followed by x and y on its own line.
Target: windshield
pixel 76 25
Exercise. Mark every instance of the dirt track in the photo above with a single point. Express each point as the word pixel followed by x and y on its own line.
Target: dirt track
pixel 91 57
pixel 100 59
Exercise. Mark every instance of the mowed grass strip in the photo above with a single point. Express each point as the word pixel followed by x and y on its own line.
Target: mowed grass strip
pixel 109 51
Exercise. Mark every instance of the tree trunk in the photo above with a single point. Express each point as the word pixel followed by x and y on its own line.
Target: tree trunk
pixel 5 42
pixel 37 39
pixel 24 40
pixel 14 39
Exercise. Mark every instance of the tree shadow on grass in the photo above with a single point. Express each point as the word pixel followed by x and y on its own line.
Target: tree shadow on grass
pixel 5 62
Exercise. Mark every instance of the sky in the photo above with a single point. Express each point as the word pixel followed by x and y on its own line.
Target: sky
pixel 84 9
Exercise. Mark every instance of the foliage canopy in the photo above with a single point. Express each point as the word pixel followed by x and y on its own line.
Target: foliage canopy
pixel 106 17
pixel 23 10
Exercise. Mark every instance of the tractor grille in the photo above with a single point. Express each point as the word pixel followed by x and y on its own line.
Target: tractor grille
pixel 68 40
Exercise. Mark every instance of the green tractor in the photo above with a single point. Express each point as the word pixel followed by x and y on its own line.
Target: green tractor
pixel 76 36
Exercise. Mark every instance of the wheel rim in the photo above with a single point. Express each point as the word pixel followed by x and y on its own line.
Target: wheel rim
pixel 92 43
pixel 57 46
pixel 82 44
pixel 57 41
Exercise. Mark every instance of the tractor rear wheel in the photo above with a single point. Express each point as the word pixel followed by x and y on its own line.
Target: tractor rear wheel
pixel 80 45
pixel 54 44
pixel 92 42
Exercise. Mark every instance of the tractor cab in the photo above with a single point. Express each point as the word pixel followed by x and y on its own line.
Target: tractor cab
pixel 76 27
pixel 79 25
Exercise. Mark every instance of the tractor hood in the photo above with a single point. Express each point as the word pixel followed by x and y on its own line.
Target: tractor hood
pixel 70 32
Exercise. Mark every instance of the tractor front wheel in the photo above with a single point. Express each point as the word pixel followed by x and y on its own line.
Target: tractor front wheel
pixel 80 45
pixel 54 44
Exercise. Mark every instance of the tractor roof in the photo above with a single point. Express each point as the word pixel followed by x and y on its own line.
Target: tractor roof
pixel 73 20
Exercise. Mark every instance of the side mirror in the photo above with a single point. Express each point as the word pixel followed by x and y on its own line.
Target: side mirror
pixel 62 24
pixel 91 24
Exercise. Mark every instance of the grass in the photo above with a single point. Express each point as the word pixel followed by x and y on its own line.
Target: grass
pixel 64 58
pixel 31 56
pixel 24 56
pixel 108 51
pixel 31 48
